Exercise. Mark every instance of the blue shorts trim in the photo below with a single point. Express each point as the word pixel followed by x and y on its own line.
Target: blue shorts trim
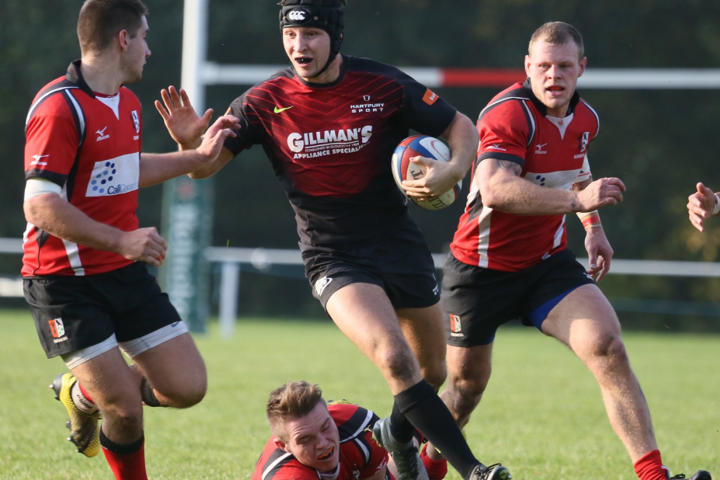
pixel 538 316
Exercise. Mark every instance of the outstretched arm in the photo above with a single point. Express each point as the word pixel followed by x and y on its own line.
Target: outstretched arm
pixel 157 168
pixel 502 188
pixel 702 205
pixel 441 176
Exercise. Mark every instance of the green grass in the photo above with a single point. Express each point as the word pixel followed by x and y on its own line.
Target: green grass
pixel 542 414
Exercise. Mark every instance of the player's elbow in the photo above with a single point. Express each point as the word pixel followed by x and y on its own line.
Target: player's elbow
pixel 35 208
pixel 492 198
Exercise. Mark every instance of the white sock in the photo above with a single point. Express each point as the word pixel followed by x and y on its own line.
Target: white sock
pixel 81 402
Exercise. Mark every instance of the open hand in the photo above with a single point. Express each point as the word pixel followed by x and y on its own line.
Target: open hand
pixel 181 120
pixel 701 206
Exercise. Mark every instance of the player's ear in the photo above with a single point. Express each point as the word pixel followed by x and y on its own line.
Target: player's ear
pixel 583 64
pixel 280 444
pixel 123 38
pixel 527 65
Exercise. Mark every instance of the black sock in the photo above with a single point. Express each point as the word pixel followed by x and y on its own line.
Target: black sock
pixel 121 449
pixel 424 409
pixel 402 430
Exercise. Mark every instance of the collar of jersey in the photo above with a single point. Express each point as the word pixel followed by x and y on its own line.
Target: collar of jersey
pixel 541 106
pixel 74 75
pixel 343 69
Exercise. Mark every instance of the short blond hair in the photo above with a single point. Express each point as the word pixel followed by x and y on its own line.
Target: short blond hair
pixel 558 33
pixel 292 400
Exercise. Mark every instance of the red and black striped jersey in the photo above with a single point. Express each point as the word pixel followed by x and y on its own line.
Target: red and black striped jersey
pixel 552 153
pixel 331 145
pixel 91 148
pixel 360 456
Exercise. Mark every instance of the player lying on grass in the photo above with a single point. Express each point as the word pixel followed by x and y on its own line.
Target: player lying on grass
pixel 509 257
pixel 329 124
pixel 314 440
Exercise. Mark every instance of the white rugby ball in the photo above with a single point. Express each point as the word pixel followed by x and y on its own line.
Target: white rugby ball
pixel 404 169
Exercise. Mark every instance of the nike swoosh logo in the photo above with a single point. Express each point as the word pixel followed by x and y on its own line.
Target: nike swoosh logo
pixel 278 109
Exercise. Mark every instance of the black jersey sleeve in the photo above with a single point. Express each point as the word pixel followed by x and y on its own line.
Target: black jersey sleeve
pixel 247 134
pixel 424 110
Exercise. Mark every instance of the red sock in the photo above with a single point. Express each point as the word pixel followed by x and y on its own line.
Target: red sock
pixel 650 467
pixel 126 461
pixel 436 469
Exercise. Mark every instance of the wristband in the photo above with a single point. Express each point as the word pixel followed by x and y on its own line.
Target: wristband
pixel 717 205
pixel 590 219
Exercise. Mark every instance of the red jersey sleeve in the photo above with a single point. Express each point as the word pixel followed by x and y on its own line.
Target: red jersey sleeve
pixel 51 141
pixel 504 131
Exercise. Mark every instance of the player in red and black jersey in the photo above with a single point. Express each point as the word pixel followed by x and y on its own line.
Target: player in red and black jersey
pixel 509 257
pixel 313 440
pixel 329 125
pixel 84 264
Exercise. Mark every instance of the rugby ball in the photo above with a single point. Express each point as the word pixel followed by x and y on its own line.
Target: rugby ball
pixel 404 169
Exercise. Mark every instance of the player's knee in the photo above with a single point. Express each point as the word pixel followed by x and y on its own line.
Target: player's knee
pixel 608 352
pixel 398 363
pixel 187 394
pixel 125 417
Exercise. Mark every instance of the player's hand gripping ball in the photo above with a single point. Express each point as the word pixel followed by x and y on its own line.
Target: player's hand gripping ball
pixel 404 169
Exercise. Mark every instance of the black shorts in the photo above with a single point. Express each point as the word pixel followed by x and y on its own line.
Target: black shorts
pixel 72 313
pixel 400 263
pixel 476 300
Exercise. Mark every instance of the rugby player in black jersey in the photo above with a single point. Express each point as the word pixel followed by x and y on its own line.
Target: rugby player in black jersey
pixel 329 125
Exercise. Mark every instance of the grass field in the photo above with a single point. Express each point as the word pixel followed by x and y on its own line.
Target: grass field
pixel 542 415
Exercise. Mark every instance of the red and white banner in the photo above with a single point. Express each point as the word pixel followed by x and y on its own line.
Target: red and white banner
pixel 597 78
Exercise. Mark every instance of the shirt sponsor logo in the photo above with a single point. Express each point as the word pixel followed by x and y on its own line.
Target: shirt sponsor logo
pixel 57 330
pixel 539 149
pixel 329 142
pixel 367 107
pixel 101 135
pixel 579 155
pixel 321 285
pixel 456 326
pixel 114 177
pixel 430 97
pixel 366 98
pixel 37 160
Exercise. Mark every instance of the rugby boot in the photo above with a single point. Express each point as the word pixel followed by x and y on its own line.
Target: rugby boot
pixel 84 428
pixel 699 475
pixel 493 472
pixel 407 460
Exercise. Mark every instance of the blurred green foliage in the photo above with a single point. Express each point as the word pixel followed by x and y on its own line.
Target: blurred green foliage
pixel 660 142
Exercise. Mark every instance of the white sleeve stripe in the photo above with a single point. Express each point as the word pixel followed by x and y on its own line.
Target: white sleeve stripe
pixel 531 134
pixel 272 465
pixel 362 427
pixel 34 105
pixel 363 448
pixel 80 115
pixel 597 117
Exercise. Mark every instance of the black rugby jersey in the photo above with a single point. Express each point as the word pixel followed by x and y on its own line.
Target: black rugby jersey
pixel 331 145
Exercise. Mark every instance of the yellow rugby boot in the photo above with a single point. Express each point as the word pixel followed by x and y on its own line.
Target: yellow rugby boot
pixel 84 427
